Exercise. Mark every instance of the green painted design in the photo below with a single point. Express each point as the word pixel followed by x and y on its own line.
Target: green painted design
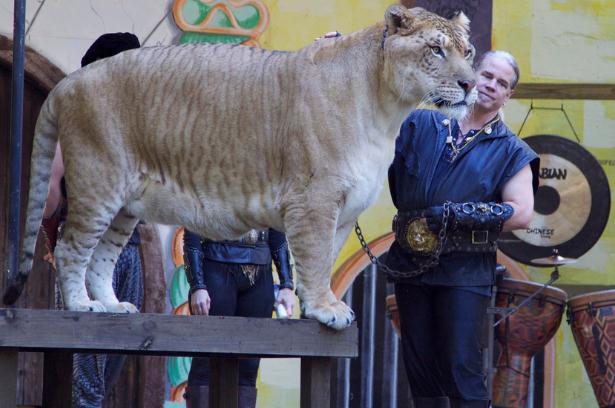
pixel 194 12
pixel 220 20
pixel 247 16
pixel 178 369
pixel 190 37
pixel 179 287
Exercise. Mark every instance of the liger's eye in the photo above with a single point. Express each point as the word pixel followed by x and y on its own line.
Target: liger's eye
pixel 468 53
pixel 437 51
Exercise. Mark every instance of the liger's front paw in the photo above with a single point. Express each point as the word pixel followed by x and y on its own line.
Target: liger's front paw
pixel 335 315
pixel 87 306
pixel 121 307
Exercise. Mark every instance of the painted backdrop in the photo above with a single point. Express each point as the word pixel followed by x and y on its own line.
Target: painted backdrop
pixel 554 40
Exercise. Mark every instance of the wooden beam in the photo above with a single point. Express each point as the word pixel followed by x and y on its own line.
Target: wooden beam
pixel 8 378
pixel 155 334
pixel 151 369
pixel 315 382
pixel 565 91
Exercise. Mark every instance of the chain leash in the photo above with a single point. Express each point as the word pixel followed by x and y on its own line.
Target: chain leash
pixel 433 260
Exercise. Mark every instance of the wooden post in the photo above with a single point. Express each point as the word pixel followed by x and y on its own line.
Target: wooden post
pixel 315 382
pixel 223 387
pixel 57 379
pixel 8 378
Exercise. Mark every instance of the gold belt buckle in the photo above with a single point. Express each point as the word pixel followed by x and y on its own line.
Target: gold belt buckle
pixel 419 237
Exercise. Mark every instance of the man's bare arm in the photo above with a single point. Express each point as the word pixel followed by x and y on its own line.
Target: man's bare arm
pixel 519 194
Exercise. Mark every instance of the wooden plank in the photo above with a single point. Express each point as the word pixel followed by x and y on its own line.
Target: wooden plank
pixel 223 388
pixel 156 334
pixel 8 378
pixel 57 379
pixel 565 91
pixel 315 382
pixel 152 369
pixel 38 294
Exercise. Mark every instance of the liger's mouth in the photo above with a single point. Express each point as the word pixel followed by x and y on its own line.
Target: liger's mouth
pixel 441 103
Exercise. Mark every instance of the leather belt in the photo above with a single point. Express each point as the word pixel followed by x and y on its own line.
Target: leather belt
pixel 251 237
pixel 413 234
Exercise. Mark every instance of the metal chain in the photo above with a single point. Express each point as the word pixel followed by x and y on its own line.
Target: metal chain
pixel 434 258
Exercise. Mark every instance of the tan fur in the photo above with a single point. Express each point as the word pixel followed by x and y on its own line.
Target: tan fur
pixel 223 139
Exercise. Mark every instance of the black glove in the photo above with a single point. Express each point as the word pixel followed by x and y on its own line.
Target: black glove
pixel 434 216
pixel 281 259
pixel 193 259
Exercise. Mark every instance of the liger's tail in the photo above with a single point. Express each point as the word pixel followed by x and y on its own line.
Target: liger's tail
pixel 43 149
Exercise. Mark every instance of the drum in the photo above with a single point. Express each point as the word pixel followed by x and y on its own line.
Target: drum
pixel 592 320
pixel 522 335
pixel 393 312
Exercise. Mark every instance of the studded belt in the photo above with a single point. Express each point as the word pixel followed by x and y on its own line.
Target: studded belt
pixel 413 234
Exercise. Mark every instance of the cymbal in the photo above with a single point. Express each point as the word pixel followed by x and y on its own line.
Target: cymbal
pixel 553 260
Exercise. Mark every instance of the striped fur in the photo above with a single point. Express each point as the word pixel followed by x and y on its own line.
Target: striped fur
pixel 223 139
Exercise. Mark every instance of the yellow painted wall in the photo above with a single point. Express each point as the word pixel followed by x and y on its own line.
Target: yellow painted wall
pixel 567 41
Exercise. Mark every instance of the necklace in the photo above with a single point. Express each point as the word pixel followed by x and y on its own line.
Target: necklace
pixel 487 128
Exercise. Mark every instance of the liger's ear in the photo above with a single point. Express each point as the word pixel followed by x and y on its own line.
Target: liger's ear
pixel 396 17
pixel 461 20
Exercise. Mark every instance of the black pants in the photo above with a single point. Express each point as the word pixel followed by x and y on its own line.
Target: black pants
pixel 232 295
pixel 442 336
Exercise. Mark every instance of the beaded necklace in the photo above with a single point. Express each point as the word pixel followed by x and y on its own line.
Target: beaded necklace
pixel 487 128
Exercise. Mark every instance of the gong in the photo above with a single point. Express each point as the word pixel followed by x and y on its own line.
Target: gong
pixel 571 206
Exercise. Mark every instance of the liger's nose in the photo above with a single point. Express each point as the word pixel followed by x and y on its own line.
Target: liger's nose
pixel 467 84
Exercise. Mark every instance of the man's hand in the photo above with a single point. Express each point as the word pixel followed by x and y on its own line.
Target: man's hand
pixel 200 302
pixel 330 34
pixel 433 218
pixel 286 298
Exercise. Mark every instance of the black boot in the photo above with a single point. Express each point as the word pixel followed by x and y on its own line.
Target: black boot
pixel 435 402
pixel 247 397
pixel 197 396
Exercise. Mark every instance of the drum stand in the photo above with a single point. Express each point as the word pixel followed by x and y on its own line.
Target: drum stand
pixel 554 260
pixel 506 312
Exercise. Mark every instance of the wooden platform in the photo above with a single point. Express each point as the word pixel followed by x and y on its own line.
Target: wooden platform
pixel 60 333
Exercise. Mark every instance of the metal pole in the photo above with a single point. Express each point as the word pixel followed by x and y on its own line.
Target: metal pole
pixel 368 330
pixel 19 12
pixel 345 367
pixel 389 362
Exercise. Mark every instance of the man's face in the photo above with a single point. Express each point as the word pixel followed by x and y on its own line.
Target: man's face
pixel 494 79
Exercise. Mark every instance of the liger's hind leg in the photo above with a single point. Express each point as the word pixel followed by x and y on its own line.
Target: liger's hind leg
pixel 311 235
pixel 85 225
pixel 99 275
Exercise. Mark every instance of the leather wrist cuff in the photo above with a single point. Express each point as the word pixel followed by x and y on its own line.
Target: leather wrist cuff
pixel 480 216
pixel 193 259
pixel 281 259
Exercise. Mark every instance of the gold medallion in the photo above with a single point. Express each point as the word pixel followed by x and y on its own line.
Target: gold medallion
pixel 419 236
